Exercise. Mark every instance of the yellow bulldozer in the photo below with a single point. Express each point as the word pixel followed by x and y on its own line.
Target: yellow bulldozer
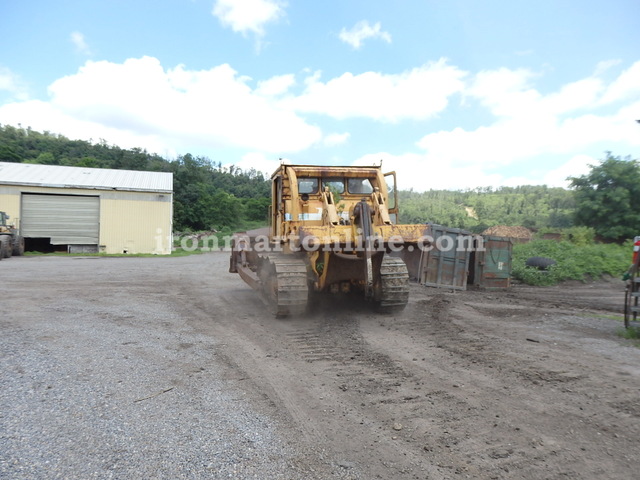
pixel 331 230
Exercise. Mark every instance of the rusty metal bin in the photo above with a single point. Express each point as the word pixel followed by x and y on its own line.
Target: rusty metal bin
pixel 490 262
pixel 445 263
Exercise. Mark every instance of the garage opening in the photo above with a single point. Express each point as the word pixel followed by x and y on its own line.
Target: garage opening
pixel 60 223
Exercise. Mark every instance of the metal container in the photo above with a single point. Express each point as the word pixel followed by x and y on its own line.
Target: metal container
pixel 490 262
pixel 445 262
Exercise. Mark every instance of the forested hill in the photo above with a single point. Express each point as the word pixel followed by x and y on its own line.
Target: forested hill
pixel 208 195
pixel 530 206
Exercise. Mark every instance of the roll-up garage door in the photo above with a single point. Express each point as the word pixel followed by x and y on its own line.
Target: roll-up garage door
pixel 65 219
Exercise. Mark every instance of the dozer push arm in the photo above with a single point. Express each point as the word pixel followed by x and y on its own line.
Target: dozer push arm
pixel 329 212
pixel 380 210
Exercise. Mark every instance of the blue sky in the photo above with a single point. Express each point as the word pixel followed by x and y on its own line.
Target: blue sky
pixel 450 94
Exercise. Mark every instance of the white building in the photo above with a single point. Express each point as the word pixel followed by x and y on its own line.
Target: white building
pixel 89 209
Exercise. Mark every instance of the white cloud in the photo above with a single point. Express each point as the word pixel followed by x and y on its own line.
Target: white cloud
pixel 335 139
pixel 12 83
pixel 529 125
pixel 245 16
pixel 423 172
pixel 140 103
pixel 574 96
pixel 43 116
pixel 275 86
pixel 626 86
pixel 575 167
pixel 504 92
pixel 416 94
pixel 605 65
pixel 530 130
pixel 259 162
pixel 80 43
pixel 362 31
pixel 175 109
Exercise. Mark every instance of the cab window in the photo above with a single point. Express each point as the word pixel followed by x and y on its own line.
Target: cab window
pixel 359 185
pixel 307 185
pixel 336 185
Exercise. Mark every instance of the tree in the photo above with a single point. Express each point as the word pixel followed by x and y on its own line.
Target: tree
pixel 608 198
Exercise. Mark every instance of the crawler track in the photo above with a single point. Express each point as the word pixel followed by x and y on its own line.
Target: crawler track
pixel 394 285
pixel 284 280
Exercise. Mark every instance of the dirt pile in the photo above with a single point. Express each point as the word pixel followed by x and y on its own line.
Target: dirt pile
pixel 517 233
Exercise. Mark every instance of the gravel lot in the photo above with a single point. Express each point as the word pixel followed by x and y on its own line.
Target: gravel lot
pixel 103 378
pixel 171 368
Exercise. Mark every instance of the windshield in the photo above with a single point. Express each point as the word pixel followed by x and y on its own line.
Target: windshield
pixel 307 185
pixel 336 185
pixel 359 185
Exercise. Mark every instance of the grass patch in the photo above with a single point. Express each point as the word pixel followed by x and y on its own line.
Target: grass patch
pixel 617 318
pixel 574 262
pixel 631 333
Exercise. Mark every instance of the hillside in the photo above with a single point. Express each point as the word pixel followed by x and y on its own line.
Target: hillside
pixel 530 206
pixel 208 195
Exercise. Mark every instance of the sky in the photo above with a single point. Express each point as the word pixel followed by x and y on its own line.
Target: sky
pixel 451 94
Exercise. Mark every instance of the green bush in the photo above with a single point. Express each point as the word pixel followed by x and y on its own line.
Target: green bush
pixel 574 262
pixel 579 235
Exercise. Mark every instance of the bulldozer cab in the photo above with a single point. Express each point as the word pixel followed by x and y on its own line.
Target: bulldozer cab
pixel 309 195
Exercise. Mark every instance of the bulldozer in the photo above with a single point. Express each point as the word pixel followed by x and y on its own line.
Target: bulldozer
pixel 11 242
pixel 332 230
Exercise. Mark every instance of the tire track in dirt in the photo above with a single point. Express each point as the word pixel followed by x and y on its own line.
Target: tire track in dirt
pixel 540 398
pixel 303 368
pixel 251 355
pixel 363 385
pixel 455 372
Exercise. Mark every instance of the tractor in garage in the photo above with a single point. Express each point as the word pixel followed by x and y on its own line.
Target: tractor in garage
pixel 11 242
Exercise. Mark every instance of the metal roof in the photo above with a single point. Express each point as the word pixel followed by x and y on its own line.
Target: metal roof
pixel 89 178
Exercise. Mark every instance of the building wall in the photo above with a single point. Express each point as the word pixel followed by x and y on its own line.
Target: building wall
pixel 10 202
pixel 131 222
pixel 135 222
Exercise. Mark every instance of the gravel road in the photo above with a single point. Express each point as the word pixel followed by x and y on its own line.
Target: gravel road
pixel 170 368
